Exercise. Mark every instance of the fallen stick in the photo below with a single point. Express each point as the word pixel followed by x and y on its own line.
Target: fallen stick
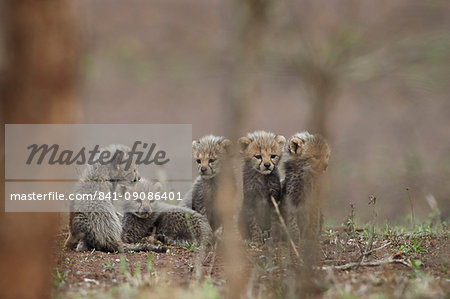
pixel 367 253
pixel 372 263
pixel 283 224
pixel 375 249
pixel 213 260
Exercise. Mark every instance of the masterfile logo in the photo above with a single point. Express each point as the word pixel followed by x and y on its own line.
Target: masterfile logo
pixel 48 160
pixel 68 157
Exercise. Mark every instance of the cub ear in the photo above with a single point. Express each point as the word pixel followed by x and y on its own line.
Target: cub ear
pixel 295 145
pixel 281 140
pixel 195 143
pixel 157 187
pixel 226 144
pixel 118 157
pixel 244 143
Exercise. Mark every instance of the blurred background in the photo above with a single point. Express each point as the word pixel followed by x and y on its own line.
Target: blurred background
pixel 373 77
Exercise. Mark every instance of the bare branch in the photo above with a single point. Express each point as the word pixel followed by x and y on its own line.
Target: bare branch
pixel 376 249
pixel 283 224
pixel 371 264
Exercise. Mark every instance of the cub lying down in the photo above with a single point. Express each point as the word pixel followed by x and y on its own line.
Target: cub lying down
pixel 96 224
pixel 172 225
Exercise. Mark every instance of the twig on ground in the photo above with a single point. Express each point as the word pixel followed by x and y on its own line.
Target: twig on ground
pixel 213 260
pixel 371 263
pixel 376 249
pixel 372 202
pixel 283 224
pixel 412 208
pixel 367 253
pixel 324 253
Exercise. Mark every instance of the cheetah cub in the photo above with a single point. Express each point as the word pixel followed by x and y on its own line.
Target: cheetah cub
pixel 209 152
pixel 261 152
pixel 96 224
pixel 170 224
pixel 302 203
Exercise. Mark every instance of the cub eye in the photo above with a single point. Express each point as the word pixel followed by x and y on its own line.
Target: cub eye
pixel 273 156
pixel 211 160
pixel 136 176
pixel 317 157
pixel 199 161
pixel 259 157
pixel 138 200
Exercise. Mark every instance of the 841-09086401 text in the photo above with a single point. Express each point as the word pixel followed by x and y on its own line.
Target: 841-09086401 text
pixel 58 196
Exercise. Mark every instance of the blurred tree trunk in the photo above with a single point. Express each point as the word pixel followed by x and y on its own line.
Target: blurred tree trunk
pixel 246 22
pixel 38 87
pixel 322 89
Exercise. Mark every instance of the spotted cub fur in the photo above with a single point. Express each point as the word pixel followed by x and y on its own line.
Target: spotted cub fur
pixel 96 224
pixel 209 152
pixel 301 204
pixel 261 152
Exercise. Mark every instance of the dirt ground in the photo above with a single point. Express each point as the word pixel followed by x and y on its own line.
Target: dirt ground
pixel 91 273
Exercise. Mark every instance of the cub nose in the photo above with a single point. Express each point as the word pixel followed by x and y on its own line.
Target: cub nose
pixel 146 209
pixel 267 165
pixel 203 169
